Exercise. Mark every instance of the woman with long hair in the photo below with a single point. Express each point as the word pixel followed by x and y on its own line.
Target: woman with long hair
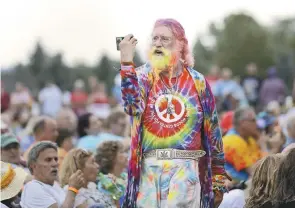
pixel 112 160
pixel 263 181
pixel 284 189
pixel 88 195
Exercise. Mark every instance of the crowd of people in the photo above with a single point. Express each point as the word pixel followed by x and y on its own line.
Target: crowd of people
pixel 60 141
pixel 71 149
pixel 67 146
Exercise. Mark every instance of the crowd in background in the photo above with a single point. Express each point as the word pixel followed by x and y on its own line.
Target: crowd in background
pixel 60 142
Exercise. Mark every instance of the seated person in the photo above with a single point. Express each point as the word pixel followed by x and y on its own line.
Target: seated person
pixel 12 182
pixel 241 150
pixel 91 135
pixel 112 159
pixel 88 196
pixel 43 191
pixel 10 151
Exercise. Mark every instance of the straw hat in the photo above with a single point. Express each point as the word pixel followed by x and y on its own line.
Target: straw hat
pixel 12 181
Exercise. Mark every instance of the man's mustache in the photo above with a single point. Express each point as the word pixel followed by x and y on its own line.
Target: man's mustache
pixel 161 50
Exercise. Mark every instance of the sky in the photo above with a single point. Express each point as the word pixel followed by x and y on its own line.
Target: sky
pixel 85 29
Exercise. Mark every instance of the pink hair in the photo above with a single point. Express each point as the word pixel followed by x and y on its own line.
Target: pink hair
pixel 179 34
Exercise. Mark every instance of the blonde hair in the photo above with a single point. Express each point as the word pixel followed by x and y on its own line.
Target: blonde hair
pixel 263 181
pixel 74 160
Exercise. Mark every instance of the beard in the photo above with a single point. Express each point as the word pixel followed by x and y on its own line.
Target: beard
pixel 162 61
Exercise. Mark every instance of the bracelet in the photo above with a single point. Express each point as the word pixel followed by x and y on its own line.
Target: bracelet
pixel 73 190
pixel 218 183
pixel 220 188
pixel 219 179
pixel 127 63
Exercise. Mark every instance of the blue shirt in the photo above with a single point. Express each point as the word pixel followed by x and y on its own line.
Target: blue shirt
pixel 90 142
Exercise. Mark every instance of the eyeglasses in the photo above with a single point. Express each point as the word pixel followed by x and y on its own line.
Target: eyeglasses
pixel 163 39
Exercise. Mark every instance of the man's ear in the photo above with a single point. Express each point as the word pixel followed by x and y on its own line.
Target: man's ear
pixel 32 167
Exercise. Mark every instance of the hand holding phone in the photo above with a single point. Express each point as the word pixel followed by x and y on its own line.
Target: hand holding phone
pixel 127 47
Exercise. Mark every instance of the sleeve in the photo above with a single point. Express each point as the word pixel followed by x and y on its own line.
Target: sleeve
pixel 35 196
pixel 133 91
pixel 81 199
pixel 215 137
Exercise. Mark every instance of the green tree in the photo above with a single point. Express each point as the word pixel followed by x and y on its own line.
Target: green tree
pixel 202 56
pixel 106 72
pixel 283 45
pixel 57 72
pixel 37 64
pixel 241 40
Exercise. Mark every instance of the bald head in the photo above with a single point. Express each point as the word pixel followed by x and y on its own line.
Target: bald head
pixel 45 129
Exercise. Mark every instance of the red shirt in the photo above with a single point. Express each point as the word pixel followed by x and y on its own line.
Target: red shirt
pixel 5 101
pixel 79 99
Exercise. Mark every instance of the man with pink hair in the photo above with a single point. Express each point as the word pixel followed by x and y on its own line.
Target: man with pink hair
pixel 177 157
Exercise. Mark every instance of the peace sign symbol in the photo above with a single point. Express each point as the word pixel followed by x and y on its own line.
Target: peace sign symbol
pixel 165 115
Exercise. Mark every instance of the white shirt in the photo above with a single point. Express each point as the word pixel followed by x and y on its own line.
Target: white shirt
pixel 92 197
pixel 233 199
pixel 39 195
pixel 51 98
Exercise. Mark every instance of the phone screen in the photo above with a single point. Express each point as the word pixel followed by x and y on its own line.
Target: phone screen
pixel 118 40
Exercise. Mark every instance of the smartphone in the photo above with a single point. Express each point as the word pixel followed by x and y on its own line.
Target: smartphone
pixel 118 40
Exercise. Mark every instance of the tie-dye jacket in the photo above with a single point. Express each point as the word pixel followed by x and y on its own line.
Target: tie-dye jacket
pixel 135 86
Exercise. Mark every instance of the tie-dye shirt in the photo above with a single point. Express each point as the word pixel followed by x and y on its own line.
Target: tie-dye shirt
pixel 177 126
pixel 136 86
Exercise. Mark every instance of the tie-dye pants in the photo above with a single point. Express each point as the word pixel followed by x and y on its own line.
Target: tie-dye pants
pixel 169 184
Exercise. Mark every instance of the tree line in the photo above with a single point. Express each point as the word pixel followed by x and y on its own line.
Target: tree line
pixel 238 40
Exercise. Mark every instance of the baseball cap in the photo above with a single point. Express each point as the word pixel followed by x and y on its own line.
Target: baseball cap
pixel 7 139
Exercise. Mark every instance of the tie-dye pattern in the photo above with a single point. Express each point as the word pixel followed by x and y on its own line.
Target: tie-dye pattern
pixel 135 86
pixel 169 183
pixel 179 130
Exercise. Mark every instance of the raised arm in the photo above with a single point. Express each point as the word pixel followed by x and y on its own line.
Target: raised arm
pixel 133 90
pixel 76 181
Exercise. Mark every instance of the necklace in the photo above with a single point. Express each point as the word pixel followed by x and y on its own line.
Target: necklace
pixel 169 91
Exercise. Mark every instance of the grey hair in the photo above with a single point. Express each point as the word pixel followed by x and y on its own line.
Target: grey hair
pixel 239 115
pixel 37 149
